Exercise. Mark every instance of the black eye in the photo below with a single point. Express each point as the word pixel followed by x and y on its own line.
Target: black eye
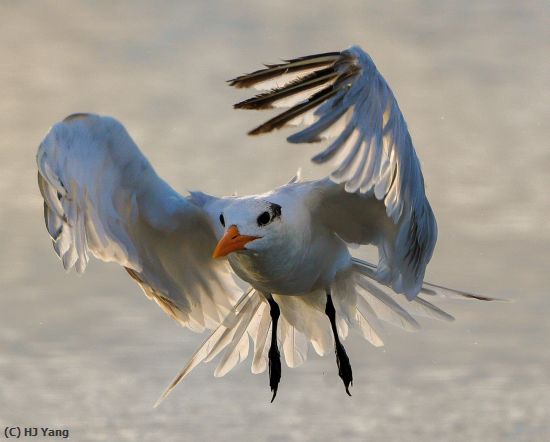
pixel 222 219
pixel 264 219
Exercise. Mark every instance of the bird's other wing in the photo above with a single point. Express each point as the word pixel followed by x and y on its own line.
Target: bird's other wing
pixel 343 96
pixel 103 198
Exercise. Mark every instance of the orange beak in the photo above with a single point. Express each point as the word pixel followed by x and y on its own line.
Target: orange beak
pixel 232 241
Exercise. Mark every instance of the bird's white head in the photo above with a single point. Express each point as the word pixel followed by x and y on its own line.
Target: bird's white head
pixel 250 225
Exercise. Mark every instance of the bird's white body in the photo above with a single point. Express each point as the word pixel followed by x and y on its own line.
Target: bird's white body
pixel 296 256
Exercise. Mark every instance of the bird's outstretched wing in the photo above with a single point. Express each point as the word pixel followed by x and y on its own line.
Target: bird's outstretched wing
pixel 341 95
pixel 103 198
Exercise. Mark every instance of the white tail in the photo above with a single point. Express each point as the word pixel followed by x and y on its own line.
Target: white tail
pixel 360 301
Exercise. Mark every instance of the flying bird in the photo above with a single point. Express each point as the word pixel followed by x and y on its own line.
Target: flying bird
pixel 276 268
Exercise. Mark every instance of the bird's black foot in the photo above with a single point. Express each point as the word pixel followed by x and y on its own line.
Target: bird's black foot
pixel 342 360
pixel 274 355
pixel 274 370
pixel 344 367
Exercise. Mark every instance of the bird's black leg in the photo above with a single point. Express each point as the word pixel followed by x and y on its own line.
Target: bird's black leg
pixel 342 360
pixel 274 355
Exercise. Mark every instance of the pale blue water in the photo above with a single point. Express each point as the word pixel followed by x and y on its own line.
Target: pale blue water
pixel 92 353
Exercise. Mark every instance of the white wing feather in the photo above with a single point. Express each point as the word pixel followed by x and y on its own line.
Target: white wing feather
pixel 102 197
pixel 371 152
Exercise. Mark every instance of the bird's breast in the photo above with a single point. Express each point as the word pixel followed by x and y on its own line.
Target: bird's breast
pixel 292 271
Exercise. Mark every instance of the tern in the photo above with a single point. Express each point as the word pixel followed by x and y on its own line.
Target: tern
pixel 278 267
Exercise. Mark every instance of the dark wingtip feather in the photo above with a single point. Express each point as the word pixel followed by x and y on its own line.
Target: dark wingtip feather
pixel 311 57
pixel 238 81
pixel 252 104
pixel 266 100
pixel 262 129
pixel 282 119
pixel 274 70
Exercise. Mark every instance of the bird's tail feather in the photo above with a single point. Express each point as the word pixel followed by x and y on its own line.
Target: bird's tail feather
pixel 428 288
pixel 229 332
pixel 361 302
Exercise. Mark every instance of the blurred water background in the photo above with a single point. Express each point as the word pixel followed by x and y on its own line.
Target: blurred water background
pixel 92 354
